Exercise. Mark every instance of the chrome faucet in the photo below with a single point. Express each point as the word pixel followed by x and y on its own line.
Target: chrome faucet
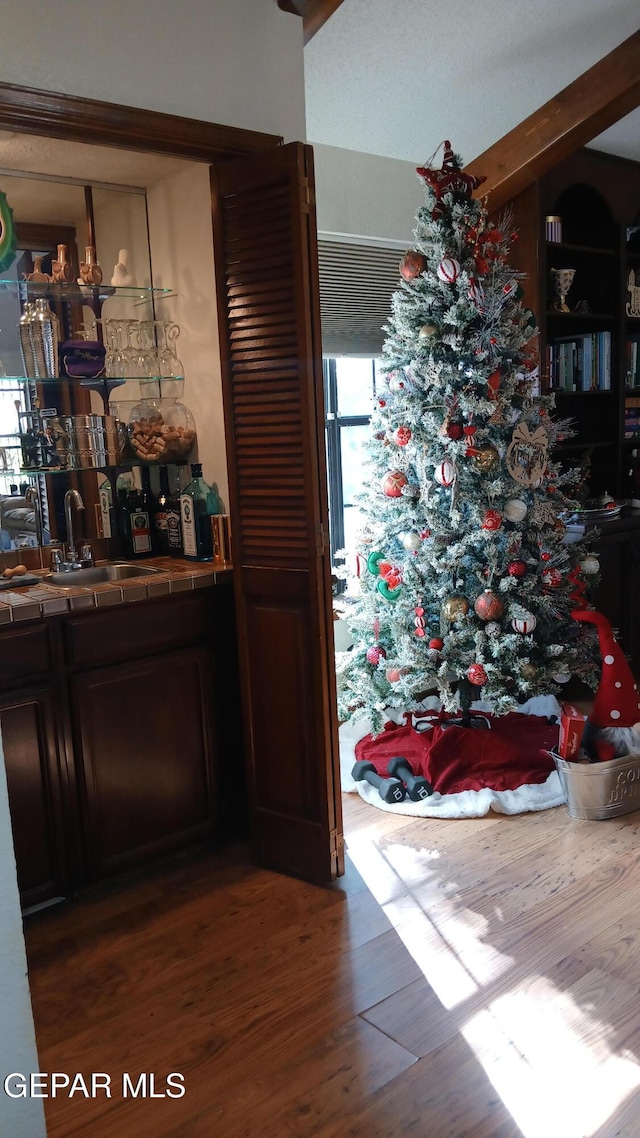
pixel 33 498
pixel 71 498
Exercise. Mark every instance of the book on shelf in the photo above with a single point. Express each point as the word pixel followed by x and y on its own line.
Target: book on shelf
pixel 632 363
pixel 580 363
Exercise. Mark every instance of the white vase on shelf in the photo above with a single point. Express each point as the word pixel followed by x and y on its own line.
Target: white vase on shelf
pixel 122 275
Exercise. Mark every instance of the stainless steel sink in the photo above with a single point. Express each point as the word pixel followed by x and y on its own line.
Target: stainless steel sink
pixel 98 574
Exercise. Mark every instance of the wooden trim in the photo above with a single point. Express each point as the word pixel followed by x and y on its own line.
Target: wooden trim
pixel 580 112
pixel 31 111
pixel 314 13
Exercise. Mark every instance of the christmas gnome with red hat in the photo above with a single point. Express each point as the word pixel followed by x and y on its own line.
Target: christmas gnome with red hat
pixel 613 725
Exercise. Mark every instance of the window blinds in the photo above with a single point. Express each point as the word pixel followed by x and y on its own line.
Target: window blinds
pixel 356 284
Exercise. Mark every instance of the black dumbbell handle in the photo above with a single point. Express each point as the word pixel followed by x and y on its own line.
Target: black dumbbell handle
pixel 418 787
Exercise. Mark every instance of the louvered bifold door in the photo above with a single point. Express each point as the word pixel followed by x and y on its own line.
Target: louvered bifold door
pixel 267 278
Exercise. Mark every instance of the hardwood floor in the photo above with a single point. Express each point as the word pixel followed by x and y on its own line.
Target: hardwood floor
pixel 465 978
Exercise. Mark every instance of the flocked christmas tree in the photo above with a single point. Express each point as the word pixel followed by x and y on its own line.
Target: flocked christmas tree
pixel 465 583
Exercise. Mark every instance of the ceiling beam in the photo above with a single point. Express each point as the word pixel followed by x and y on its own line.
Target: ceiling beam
pixel 580 112
pixel 314 13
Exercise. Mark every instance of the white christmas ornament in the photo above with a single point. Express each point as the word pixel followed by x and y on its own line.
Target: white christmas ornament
pixel 515 510
pixel 561 678
pixel 448 270
pixel 524 624
pixel 411 540
pixel 444 473
pixel 590 565
pixel 492 628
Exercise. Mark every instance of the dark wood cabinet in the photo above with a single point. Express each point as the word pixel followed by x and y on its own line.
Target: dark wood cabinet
pixel 113 723
pixel 144 736
pixel 27 718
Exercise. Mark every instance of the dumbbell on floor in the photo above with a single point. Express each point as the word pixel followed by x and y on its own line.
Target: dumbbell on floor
pixel 417 787
pixel 389 789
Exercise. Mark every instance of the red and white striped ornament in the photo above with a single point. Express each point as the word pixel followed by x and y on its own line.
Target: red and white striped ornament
pixel 444 473
pixel 448 270
pixel 476 295
pixel 524 624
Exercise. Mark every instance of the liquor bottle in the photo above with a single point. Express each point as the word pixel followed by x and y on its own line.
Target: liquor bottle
pixel 123 521
pixel 159 516
pixel 148 503
pixel 139 524
pixel 106 508
pixel 194 516
pixel 174 526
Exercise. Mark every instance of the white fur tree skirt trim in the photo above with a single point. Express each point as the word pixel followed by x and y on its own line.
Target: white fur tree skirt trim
pixel 468 803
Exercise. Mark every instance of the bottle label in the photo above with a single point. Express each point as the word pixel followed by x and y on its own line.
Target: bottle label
pixel 173 529
pixel 105 512
pixel 189 540
pixel 140 532
pixel 160 520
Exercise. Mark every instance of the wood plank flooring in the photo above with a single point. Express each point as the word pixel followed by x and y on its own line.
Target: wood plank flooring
pixel 476 977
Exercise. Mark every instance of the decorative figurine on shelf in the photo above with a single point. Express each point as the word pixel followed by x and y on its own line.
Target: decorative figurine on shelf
pixel 122 275
pixel 36 276
pixel 633 288
pixel 62 268
pixel 563 280
pixel 90 271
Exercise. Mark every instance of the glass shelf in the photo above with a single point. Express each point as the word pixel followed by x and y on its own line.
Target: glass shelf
pixel 568 247
pixel 35 289
pixel 84 381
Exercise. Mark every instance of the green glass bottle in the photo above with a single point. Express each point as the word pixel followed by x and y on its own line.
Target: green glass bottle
pixel 197 541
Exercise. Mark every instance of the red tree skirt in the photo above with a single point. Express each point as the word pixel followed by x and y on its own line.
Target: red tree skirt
pixel 506 767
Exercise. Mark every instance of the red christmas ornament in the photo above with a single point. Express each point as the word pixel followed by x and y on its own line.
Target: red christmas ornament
pixel 412 264
pixel 477 675
pixel 375 654
pixel 402 436
pixel 516 568
pixel 382 403
pixel 448 270
pixel 488 606
pixel 545 556
pixel 436 643
pixel 393 482
pixel 454 430
pixel 425 533
pixel 492 520
pixel 552 578
pixel 448 179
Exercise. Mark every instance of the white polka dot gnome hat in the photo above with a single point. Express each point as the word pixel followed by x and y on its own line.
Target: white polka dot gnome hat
pixel 617 702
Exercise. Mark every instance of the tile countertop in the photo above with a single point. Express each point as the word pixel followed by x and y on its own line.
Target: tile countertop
pixel 173 575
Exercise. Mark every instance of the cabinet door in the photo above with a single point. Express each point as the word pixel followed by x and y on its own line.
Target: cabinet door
pixel 264 228
pixel 143 736
pixel 33 779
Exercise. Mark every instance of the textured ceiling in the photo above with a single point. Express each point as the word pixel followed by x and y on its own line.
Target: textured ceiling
pixel 395 77
pixel 83 161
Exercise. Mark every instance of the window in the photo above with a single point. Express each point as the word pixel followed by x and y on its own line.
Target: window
pixel 349 386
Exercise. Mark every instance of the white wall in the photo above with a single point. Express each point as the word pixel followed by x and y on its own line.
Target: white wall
pixel 19 1118
pixel 237 62
pixel 181 239
pixel 365 196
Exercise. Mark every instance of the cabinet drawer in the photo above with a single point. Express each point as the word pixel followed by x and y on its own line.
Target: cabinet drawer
pixel 24 654
pixel 134 631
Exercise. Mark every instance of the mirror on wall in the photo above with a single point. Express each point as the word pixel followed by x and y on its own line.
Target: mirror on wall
pixel 72 231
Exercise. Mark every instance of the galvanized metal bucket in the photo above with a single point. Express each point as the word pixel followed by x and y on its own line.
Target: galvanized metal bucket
pixel 600 790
